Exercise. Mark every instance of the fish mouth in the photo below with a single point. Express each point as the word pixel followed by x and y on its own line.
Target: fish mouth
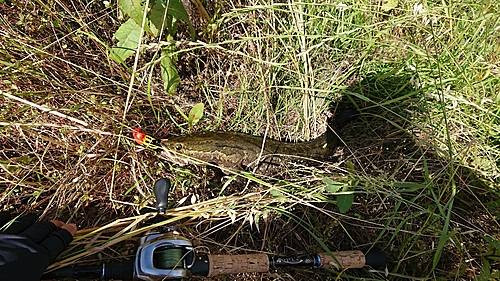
pixel 174 158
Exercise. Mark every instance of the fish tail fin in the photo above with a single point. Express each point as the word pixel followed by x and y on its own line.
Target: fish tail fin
pixel 343 115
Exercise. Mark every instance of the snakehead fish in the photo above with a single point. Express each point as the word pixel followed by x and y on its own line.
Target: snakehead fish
pixel 234 150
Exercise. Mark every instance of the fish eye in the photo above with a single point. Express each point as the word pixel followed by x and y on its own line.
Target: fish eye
pixel 178 146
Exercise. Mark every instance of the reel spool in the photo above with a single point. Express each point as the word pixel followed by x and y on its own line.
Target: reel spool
pixel 168 258
pixel 164 256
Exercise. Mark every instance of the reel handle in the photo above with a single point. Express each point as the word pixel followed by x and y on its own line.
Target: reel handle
pixel 161 190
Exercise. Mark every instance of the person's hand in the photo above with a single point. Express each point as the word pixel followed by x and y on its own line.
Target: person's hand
pixel 28 247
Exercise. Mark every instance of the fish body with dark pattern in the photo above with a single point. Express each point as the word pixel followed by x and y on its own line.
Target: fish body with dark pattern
pixel 236 151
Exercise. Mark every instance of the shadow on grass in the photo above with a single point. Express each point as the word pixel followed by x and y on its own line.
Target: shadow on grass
pixel 407 187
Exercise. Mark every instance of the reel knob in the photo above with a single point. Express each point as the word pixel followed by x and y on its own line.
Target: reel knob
pixel 161 190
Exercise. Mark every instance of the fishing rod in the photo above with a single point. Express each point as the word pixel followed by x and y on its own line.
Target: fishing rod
pixel 163 254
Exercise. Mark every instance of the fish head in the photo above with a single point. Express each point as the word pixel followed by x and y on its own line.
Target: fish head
pixel 184 150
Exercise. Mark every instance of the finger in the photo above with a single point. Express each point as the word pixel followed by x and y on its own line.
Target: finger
pixel 71 228
pixel 57 223
pixel 4 218
pixel 21 224
pixel 39 231
pixel 56 243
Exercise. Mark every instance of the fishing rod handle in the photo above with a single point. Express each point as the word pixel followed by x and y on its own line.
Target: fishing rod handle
pixel 347 259
pixel 374 258
pixel 215 265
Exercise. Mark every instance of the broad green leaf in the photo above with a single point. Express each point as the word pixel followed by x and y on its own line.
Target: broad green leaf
pixel 159 20
pixel 275 193
pixel 175 13
pixel 157 17
pixel 169 73
pixel 331 185
pixel 176 9
pixel 128 39
pixel 195 114
pixel 180 112
pixel 344 202
pixel 135 11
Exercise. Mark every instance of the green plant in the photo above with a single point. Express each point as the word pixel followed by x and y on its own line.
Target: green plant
pixel 344 200
pixel 194 115
pixel 159 19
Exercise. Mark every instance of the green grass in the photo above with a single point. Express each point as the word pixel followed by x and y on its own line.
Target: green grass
pixel 422 159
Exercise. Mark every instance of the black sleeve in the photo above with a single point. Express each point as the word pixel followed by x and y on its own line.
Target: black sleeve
pixel 26 251
pixel 4 218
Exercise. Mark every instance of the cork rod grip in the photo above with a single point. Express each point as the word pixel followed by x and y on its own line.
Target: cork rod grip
pixel 347 259
pixel 230 264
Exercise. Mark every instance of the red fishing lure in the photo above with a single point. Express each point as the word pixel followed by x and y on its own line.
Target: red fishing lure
pixel 139 135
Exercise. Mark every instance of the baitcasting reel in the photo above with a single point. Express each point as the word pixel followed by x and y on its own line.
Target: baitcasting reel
pixel 164 255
